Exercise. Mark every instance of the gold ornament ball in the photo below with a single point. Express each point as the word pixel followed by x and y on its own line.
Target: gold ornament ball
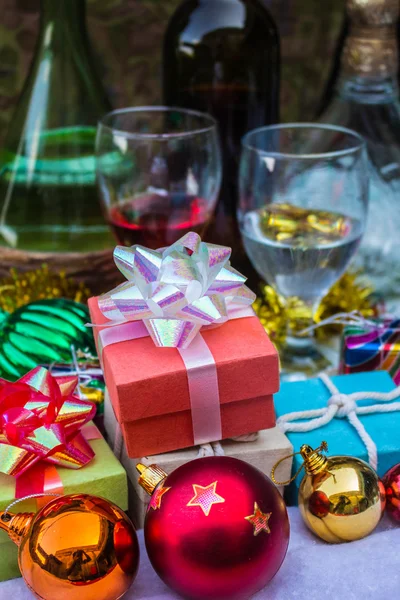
pixel 77 547
pixel 341 498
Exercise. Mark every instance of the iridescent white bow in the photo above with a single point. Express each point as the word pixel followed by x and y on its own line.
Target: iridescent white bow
pixel 177 290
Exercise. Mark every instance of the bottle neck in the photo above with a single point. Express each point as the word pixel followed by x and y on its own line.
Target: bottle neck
pixel 368 90
pixel 62 18
pixel 61 10
pixel 369 64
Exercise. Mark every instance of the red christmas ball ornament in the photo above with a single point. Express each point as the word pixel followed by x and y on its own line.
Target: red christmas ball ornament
pixel 215 528
pixel 391 482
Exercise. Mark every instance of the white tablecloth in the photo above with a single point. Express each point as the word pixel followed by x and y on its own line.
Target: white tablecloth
pixel 368 569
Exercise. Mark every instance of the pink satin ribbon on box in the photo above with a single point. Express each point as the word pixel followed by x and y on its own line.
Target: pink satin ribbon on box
pixel 203 391
pixel 201 374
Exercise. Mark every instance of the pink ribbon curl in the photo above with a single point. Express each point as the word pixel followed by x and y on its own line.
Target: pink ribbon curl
pixel 41 420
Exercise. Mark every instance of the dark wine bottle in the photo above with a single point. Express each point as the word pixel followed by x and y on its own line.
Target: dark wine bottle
pixel 335 68
pixel 222 57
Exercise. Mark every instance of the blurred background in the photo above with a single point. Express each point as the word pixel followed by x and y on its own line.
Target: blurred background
pixel 126 37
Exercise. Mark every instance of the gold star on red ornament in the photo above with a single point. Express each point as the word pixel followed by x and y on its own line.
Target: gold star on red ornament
pixel 156 498
pixel 205 497
pixel 259 520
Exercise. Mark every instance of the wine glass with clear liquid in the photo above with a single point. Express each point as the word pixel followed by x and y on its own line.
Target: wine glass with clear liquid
pixel 302 213
pixel 159 173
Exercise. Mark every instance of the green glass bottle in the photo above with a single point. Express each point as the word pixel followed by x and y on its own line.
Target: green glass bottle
pixel 48 198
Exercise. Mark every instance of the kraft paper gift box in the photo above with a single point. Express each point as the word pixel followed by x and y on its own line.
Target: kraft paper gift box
pixel 365 348
pixel 270 446
pixel 103 476
pixel 149 387
pixel 340 435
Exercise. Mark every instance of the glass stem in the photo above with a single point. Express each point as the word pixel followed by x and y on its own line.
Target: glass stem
pixel 300 318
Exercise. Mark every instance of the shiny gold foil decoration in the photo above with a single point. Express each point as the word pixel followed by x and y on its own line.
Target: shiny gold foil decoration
pixel 22 288
pixel 93 394
pixel 341 498
pixel 301 227
pixel 276 314
pixel 78 547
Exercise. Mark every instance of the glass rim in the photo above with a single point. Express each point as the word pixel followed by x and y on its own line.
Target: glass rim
pixel 360 145
pixel 212 123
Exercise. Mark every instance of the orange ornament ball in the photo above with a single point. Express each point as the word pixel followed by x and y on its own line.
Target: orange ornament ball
pixel 77 547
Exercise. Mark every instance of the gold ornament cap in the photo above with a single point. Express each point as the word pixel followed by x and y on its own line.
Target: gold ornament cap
pixel 150 477
pixel 16 525
pixel 314 462
pixel 371 48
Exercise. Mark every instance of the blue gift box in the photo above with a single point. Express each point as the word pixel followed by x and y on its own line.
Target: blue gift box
pixel 342 438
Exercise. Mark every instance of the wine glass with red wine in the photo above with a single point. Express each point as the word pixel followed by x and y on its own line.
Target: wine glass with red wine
pixel 159 173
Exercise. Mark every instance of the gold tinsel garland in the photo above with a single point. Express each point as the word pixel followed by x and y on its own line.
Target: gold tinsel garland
pixel 350 293
pixel 21 288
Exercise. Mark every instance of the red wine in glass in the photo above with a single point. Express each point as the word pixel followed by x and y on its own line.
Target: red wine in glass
pixel 156 220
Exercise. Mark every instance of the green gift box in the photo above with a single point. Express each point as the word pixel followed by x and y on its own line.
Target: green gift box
pixel 103 476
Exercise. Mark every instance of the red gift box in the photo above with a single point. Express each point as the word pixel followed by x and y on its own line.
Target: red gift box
pixel 149 388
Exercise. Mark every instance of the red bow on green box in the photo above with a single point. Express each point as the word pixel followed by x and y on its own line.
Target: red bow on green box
pixel 41 419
